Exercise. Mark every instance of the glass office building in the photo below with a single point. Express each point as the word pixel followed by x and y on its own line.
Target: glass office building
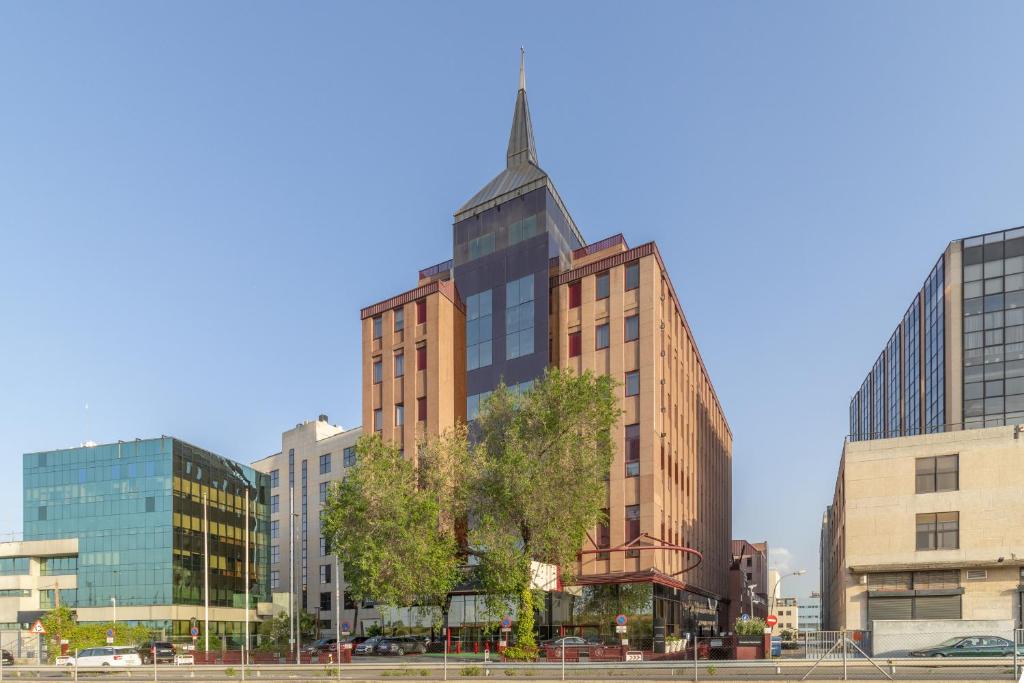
pixel 956 360
pixel 137 510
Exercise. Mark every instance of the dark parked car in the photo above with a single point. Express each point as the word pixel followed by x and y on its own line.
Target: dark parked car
pixel 164 652
pixel 367 647
pixel 7 656
pixel 971 646
pixel 319 646
pixel 402 645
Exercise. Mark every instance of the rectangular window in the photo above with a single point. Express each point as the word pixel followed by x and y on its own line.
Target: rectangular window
pixel 421 311
pixel 275 528
pixel 377 327
pixel 399 414
pixel 399 364
pixel 275 478
pixel 473 404
pixel 399 319
pixel 349 456
pixel 150 504
pixel 275 579
pixel 378 371
pixel 421 409
pixel 378 420
pixel 632 276
pixel 275 554
pixel 481 246
pixel 601 335
pixel 602 286
pixel 632 450
pixel 575 294
pixel 325 573
pixel 938 531
pixel 519 301
pixel 325 600
pixel 421 357
pixel 42 513
pixel 323 491
pixel 325 548
pixel 940 473
pixel 275 504
pixel 632 328
pixel 521 230
pixel 575 344
pixel 633 383
pixel 325 463
pixel 632 527
pixel 479 330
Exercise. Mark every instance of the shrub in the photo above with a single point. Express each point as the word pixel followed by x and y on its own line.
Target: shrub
pixel 750 627
pixel 516 653
pixel 471 671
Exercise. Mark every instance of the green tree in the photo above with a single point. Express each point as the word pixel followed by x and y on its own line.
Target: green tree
pixel 274 633
pixel 396 538
pixel 543 457
pixel 60 624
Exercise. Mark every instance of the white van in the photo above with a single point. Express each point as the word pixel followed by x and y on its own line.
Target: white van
pixel 108 656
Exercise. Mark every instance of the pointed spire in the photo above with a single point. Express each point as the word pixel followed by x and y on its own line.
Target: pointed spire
pixel 522 68
pixel 521 148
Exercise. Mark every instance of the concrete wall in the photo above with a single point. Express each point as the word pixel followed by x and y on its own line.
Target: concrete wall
pixel 898 638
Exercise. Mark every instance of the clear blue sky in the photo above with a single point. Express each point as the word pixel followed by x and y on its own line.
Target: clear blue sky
pixel 196 199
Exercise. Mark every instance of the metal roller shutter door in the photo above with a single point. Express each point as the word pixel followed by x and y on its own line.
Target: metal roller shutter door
pixel 937 607
pixel 890 608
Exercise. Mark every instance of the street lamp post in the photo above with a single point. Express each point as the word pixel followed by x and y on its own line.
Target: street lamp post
pixel 771 597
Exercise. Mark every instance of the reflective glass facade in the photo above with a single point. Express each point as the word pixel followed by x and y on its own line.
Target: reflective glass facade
pixel 993 337
pixel 136 508
pixel 505 287
pixel 904 393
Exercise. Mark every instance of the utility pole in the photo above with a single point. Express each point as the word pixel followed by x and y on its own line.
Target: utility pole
pixel 245 650
pixel 206 575
pixel 291 568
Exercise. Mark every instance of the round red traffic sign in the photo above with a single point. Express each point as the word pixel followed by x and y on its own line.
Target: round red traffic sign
pixel 771 620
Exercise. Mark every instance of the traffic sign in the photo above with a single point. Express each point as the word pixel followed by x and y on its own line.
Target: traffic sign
pixel 194 631
pixel 345 627
pixel 744 617
pixel 110 633
pixel 620 629
pixel 506 622
pixel 39 628
pixel 620 620
pixel 771 620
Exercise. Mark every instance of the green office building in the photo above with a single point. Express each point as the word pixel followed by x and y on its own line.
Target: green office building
pixel 128 526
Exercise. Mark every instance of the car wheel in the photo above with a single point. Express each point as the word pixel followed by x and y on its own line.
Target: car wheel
pixel 939 654
pixel 105 664
pixel 399 652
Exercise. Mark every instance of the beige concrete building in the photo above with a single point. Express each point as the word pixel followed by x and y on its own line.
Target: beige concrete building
pixel 788 613
pixel 926 528
pixel 303 572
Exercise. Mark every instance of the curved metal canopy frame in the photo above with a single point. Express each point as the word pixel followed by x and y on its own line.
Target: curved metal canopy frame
pixel 658 544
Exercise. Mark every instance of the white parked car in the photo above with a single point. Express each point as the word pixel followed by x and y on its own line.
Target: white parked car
pixel 104 656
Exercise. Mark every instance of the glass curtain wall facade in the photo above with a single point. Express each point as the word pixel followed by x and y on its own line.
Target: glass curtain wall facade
pixel 993 337
pixel 905 391
pixel 909 380
pixel 136 509
pixel 502 260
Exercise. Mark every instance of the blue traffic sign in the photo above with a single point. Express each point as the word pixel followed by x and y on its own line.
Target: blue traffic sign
pixel 506 621
pixel 110 633
pixel 345 626
pixel 194 631
pixel 744 617
pixel 620 620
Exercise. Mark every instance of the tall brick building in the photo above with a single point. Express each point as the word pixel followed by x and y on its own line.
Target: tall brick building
pixel 524 291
